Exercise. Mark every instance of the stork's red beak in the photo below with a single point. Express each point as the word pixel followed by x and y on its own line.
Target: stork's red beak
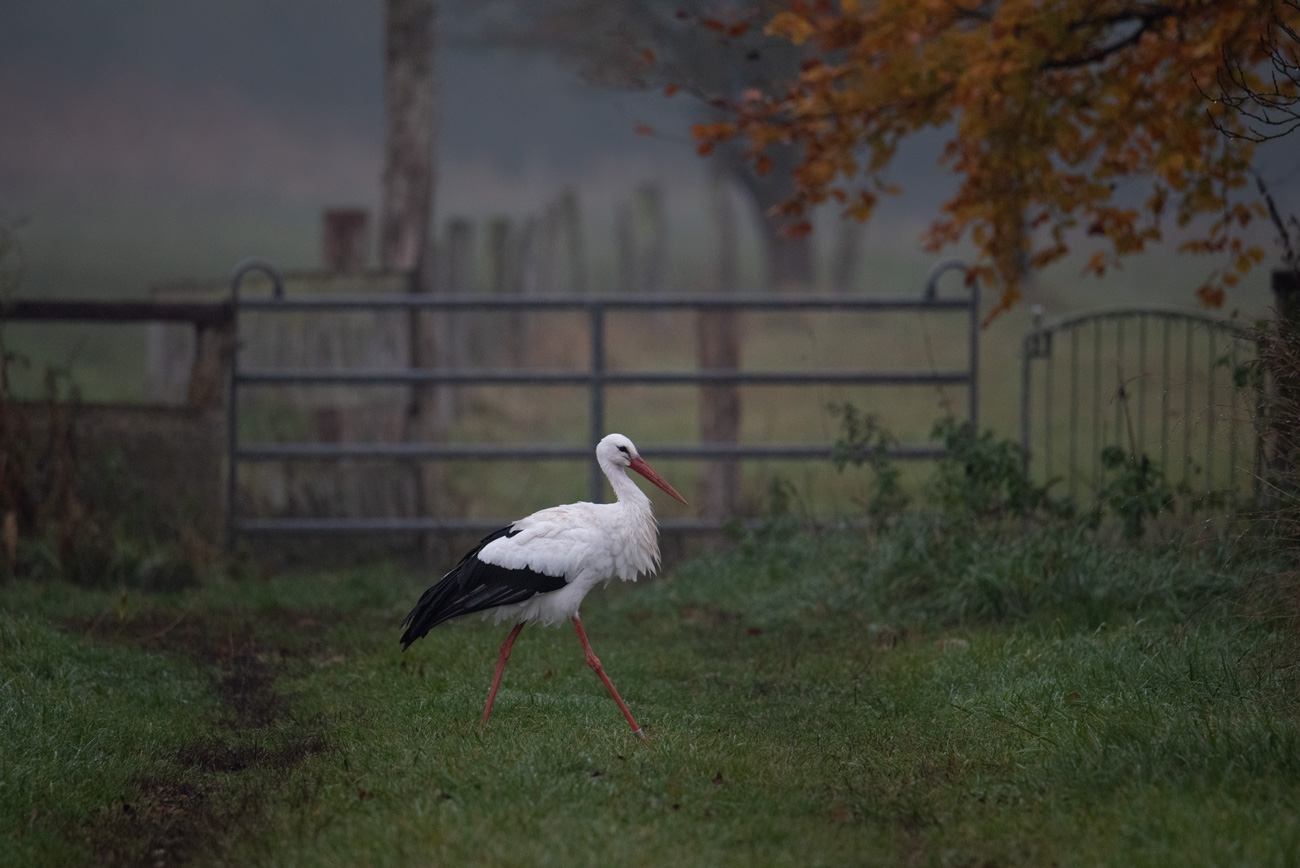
pixel 638 464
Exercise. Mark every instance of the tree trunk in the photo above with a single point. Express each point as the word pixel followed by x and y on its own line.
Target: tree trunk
pixel 790 261
pixel 409 89
pixel 719 349
pixel 407 206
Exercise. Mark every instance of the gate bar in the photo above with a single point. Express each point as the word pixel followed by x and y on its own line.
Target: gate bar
pixel 402 301
pixel 598 373
pixel 469 452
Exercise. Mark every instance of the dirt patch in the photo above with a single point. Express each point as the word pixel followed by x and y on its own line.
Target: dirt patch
pixel 214 790
pixel 220 755
pixel 246 686
pixel 165 823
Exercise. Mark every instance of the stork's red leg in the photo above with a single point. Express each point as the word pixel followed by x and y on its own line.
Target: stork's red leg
pixel 594 663
pixel 496 679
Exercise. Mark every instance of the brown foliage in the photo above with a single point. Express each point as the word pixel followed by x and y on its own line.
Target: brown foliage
pixel 1051 107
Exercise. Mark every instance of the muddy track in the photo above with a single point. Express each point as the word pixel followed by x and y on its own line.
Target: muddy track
pixel 213 791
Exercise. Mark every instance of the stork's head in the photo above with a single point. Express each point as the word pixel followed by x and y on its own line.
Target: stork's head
pixel 617 451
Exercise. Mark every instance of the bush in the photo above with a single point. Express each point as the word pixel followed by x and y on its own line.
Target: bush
pixel 982 477
pixel 863 440
pixel 64 517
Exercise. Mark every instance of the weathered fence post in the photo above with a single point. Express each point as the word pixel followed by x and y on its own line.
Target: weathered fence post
pixel 214 348
pixel 654 268
pixel 345 239
pixel 719 349
pixel 847 254
pixel 1284 365
pixel 571 217
pixel 464 334
pixel 498 251
pixel 503 270
pixel 527 281
pixel 422 420
pixel 625 250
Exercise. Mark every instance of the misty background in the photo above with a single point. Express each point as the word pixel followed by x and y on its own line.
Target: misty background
pixel 147 140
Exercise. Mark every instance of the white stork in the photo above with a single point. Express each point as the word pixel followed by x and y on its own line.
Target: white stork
pixel 540 567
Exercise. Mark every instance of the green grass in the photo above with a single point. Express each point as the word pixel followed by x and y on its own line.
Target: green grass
pixel 929 694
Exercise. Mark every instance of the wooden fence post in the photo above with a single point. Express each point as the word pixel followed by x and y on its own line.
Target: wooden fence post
pixel 499 255
pixel 527 280
pixel 465 338
pixel 503 279
pixel 719 349
pixel 571 217
pixel 422 423
pixel 1284 366
pixel 650 209
pixel 345 239
pixel 214 348
pixel 847 255
pixel 625 251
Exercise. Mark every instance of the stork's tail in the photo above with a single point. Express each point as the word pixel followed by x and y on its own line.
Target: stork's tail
pixel 428 613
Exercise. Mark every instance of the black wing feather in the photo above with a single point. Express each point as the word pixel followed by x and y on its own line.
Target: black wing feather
pixel 473 586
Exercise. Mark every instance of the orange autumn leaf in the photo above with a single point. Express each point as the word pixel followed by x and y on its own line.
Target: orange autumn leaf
pixel 1210 296
pixel 792 26
pixel 713 132
pixel 644 130
pixel 669 90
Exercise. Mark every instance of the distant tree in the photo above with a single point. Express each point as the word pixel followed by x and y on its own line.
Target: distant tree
pixel 713 51
pixel 1061 116
pixel 409 97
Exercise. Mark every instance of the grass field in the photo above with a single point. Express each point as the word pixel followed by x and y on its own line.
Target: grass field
pixel 931 694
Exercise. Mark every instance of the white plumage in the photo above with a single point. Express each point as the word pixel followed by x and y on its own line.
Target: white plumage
pixel 541 567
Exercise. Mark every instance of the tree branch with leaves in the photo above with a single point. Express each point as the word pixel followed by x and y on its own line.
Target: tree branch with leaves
pixel 1064 118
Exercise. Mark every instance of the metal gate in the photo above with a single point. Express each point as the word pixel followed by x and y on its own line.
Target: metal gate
pixel 597 378
pixel 1155 381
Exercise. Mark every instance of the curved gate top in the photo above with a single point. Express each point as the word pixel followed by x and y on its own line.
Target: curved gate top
pixel 1157 382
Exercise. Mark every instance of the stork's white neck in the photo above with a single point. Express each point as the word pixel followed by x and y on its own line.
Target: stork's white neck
pixel 635 525
pixel 626 492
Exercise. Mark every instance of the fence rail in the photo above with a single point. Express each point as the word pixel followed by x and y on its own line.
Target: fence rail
pixel 203 314
pixel 616 378
pixel 597 378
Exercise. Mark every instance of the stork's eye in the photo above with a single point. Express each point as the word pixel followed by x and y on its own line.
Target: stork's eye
pixel 623 449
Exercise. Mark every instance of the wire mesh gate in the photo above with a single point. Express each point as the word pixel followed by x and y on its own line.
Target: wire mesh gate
pixel 1157 382
pixel 597 378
